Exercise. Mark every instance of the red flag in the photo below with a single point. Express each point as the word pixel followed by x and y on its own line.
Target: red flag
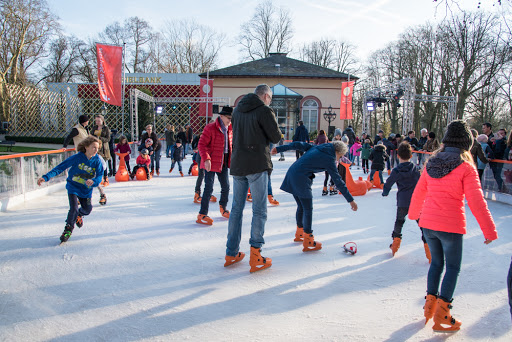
pixel 205 90
pixel 347 88
pixel 110 66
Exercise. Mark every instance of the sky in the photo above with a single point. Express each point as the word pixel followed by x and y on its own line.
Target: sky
pixel 368 24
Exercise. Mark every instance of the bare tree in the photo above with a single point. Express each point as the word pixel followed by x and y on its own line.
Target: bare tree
pixel 320 53
pixel 62 65
pixel 269 30
pixel 189 47
pixel 25 28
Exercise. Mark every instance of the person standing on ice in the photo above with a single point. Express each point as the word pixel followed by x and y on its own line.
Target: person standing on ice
pixel 254 128
pixel 299 179
pixel 85 173
pixel 449 177
pixel 215 147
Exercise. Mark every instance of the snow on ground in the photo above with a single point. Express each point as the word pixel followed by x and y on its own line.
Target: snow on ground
pixel 142 269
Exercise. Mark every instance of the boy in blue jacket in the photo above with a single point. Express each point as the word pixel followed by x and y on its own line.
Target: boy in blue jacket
pixel 85 173
pixel 405 175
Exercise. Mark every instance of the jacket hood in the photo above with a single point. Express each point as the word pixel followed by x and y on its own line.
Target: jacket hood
pixel 405 167
pixel 327 149
pixel 444 162
pixel 380 147
pixel 249 102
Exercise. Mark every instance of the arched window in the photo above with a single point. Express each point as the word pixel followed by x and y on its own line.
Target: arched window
pixel 310 115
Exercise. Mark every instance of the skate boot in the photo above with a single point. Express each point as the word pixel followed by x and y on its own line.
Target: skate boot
pixel 213 199
pixel 324 191
pixel 430 307
pixel 443 320
pixel 68 230
pixel 395 245
pixel 333 191
pixel 106 183
pixel 203 219
pixel 197 198
pixel 103 199
pixel 132 176
pixel 170 170
pixel 223 211
pixel 427 253
pixel 299 235
pixel 257 262
pixel 272 201
pixel 157 172
pixel 249 196
pixel 181 173
pixel 152 173
pixel 310 244
pixel 230 260
pixel 79 221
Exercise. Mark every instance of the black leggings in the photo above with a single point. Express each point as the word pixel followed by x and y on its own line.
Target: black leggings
pixel 366 164
pixel 84 210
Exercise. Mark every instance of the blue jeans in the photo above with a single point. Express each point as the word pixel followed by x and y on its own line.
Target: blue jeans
pixel 209 178
pixel 174 161
pixel 84 210
pixel 372 172
pixel 155 158
pixel 443 246
pixel 269 187
pixel 304 213
pixel 169 148
pixel 258 184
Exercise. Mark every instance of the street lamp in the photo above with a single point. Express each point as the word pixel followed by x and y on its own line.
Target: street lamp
pixel 329 116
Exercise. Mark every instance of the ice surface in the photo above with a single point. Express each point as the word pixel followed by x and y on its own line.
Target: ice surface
pixel 142 269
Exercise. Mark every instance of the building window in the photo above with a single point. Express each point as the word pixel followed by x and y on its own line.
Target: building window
pixel 310 115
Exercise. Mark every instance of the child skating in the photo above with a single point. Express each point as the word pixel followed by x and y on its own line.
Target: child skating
pixel 85 173
pixel 124 147
pixel 177 156
pixel 450 177
pixel 365 155
pixel 143 160
pixel 405 175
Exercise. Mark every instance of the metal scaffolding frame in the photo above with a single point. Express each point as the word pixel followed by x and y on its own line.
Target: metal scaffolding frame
pixel 136 95
pixel 407 86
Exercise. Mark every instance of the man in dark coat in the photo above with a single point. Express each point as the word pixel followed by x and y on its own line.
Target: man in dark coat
pixel 301 134
pixel 254 128
pixel 157 146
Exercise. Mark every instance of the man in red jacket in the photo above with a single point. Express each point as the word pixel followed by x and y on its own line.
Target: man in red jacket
pixel 215 150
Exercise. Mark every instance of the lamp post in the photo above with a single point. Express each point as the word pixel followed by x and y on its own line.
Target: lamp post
pixel 329 116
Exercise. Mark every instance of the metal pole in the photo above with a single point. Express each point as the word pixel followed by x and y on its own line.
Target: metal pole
pixel 122 102
pixel 207 104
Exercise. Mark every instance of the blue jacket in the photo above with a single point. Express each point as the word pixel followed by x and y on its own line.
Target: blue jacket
pixel 80 170
pixel 405 175
pixel 320 158
pixel 301 134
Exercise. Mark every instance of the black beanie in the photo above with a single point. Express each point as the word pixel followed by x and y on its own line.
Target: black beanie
pixel 83 118
pixel 458 134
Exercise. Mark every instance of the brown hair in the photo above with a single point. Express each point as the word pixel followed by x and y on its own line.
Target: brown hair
pixel 87 142
pixel 101 117
pixel 404 150
pixel 121 138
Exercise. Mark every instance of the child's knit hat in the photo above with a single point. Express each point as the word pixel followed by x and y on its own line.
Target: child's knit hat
pixel 458 134
pixel 144 151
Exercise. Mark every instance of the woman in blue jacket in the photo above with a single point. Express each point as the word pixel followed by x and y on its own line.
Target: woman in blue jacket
pixel 85 173
pixel 299 179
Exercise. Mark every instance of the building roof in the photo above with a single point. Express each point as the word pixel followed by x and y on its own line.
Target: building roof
pixel 277 65
pixel 282 91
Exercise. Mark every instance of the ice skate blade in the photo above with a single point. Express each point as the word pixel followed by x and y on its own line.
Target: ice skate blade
pixel 233 260
pixel 259 267
pixel 447 330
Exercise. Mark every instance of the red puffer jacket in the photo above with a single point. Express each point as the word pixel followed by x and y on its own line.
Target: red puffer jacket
pixel 438 199
pixel 211 145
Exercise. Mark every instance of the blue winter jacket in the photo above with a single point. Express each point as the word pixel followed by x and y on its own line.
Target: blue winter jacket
pixel 320 158
pixel 405 175
pixel 301 134
pixel 80 170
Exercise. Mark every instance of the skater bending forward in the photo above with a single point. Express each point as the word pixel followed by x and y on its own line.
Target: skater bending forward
pixel 299 179
pixel 438 202
pixel 85 173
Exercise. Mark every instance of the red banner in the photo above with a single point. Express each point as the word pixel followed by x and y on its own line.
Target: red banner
pixel 110 67
pixel 206 90
pixel 347 88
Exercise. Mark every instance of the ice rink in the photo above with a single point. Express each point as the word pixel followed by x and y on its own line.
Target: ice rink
pixel 142 269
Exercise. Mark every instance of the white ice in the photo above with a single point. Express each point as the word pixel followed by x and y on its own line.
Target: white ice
pixel 142 269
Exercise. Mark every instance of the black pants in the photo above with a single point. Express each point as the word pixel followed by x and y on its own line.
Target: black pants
pixel 199 181
pixel 366 164
pixel 401 214
pixel 136 167
pixel 299 154
pixel 84 210
pixel 331 183
pixel 209 178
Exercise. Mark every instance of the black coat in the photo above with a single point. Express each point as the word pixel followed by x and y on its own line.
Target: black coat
pixel 254 128
pixel 154 137
pixel 405 175
pixel 378 156
pixel 301 134
pixel 349 132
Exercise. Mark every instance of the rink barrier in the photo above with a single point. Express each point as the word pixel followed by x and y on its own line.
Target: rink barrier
pixel 19 174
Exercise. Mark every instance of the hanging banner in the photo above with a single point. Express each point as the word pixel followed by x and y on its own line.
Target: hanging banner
pixel 347 88
pixel 110 66
pixel 206 90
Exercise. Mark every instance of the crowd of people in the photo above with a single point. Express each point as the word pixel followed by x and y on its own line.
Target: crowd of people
pixel 240 142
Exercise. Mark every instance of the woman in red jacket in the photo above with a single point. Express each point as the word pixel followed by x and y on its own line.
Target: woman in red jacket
pixel 438 203
pixel 215 150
